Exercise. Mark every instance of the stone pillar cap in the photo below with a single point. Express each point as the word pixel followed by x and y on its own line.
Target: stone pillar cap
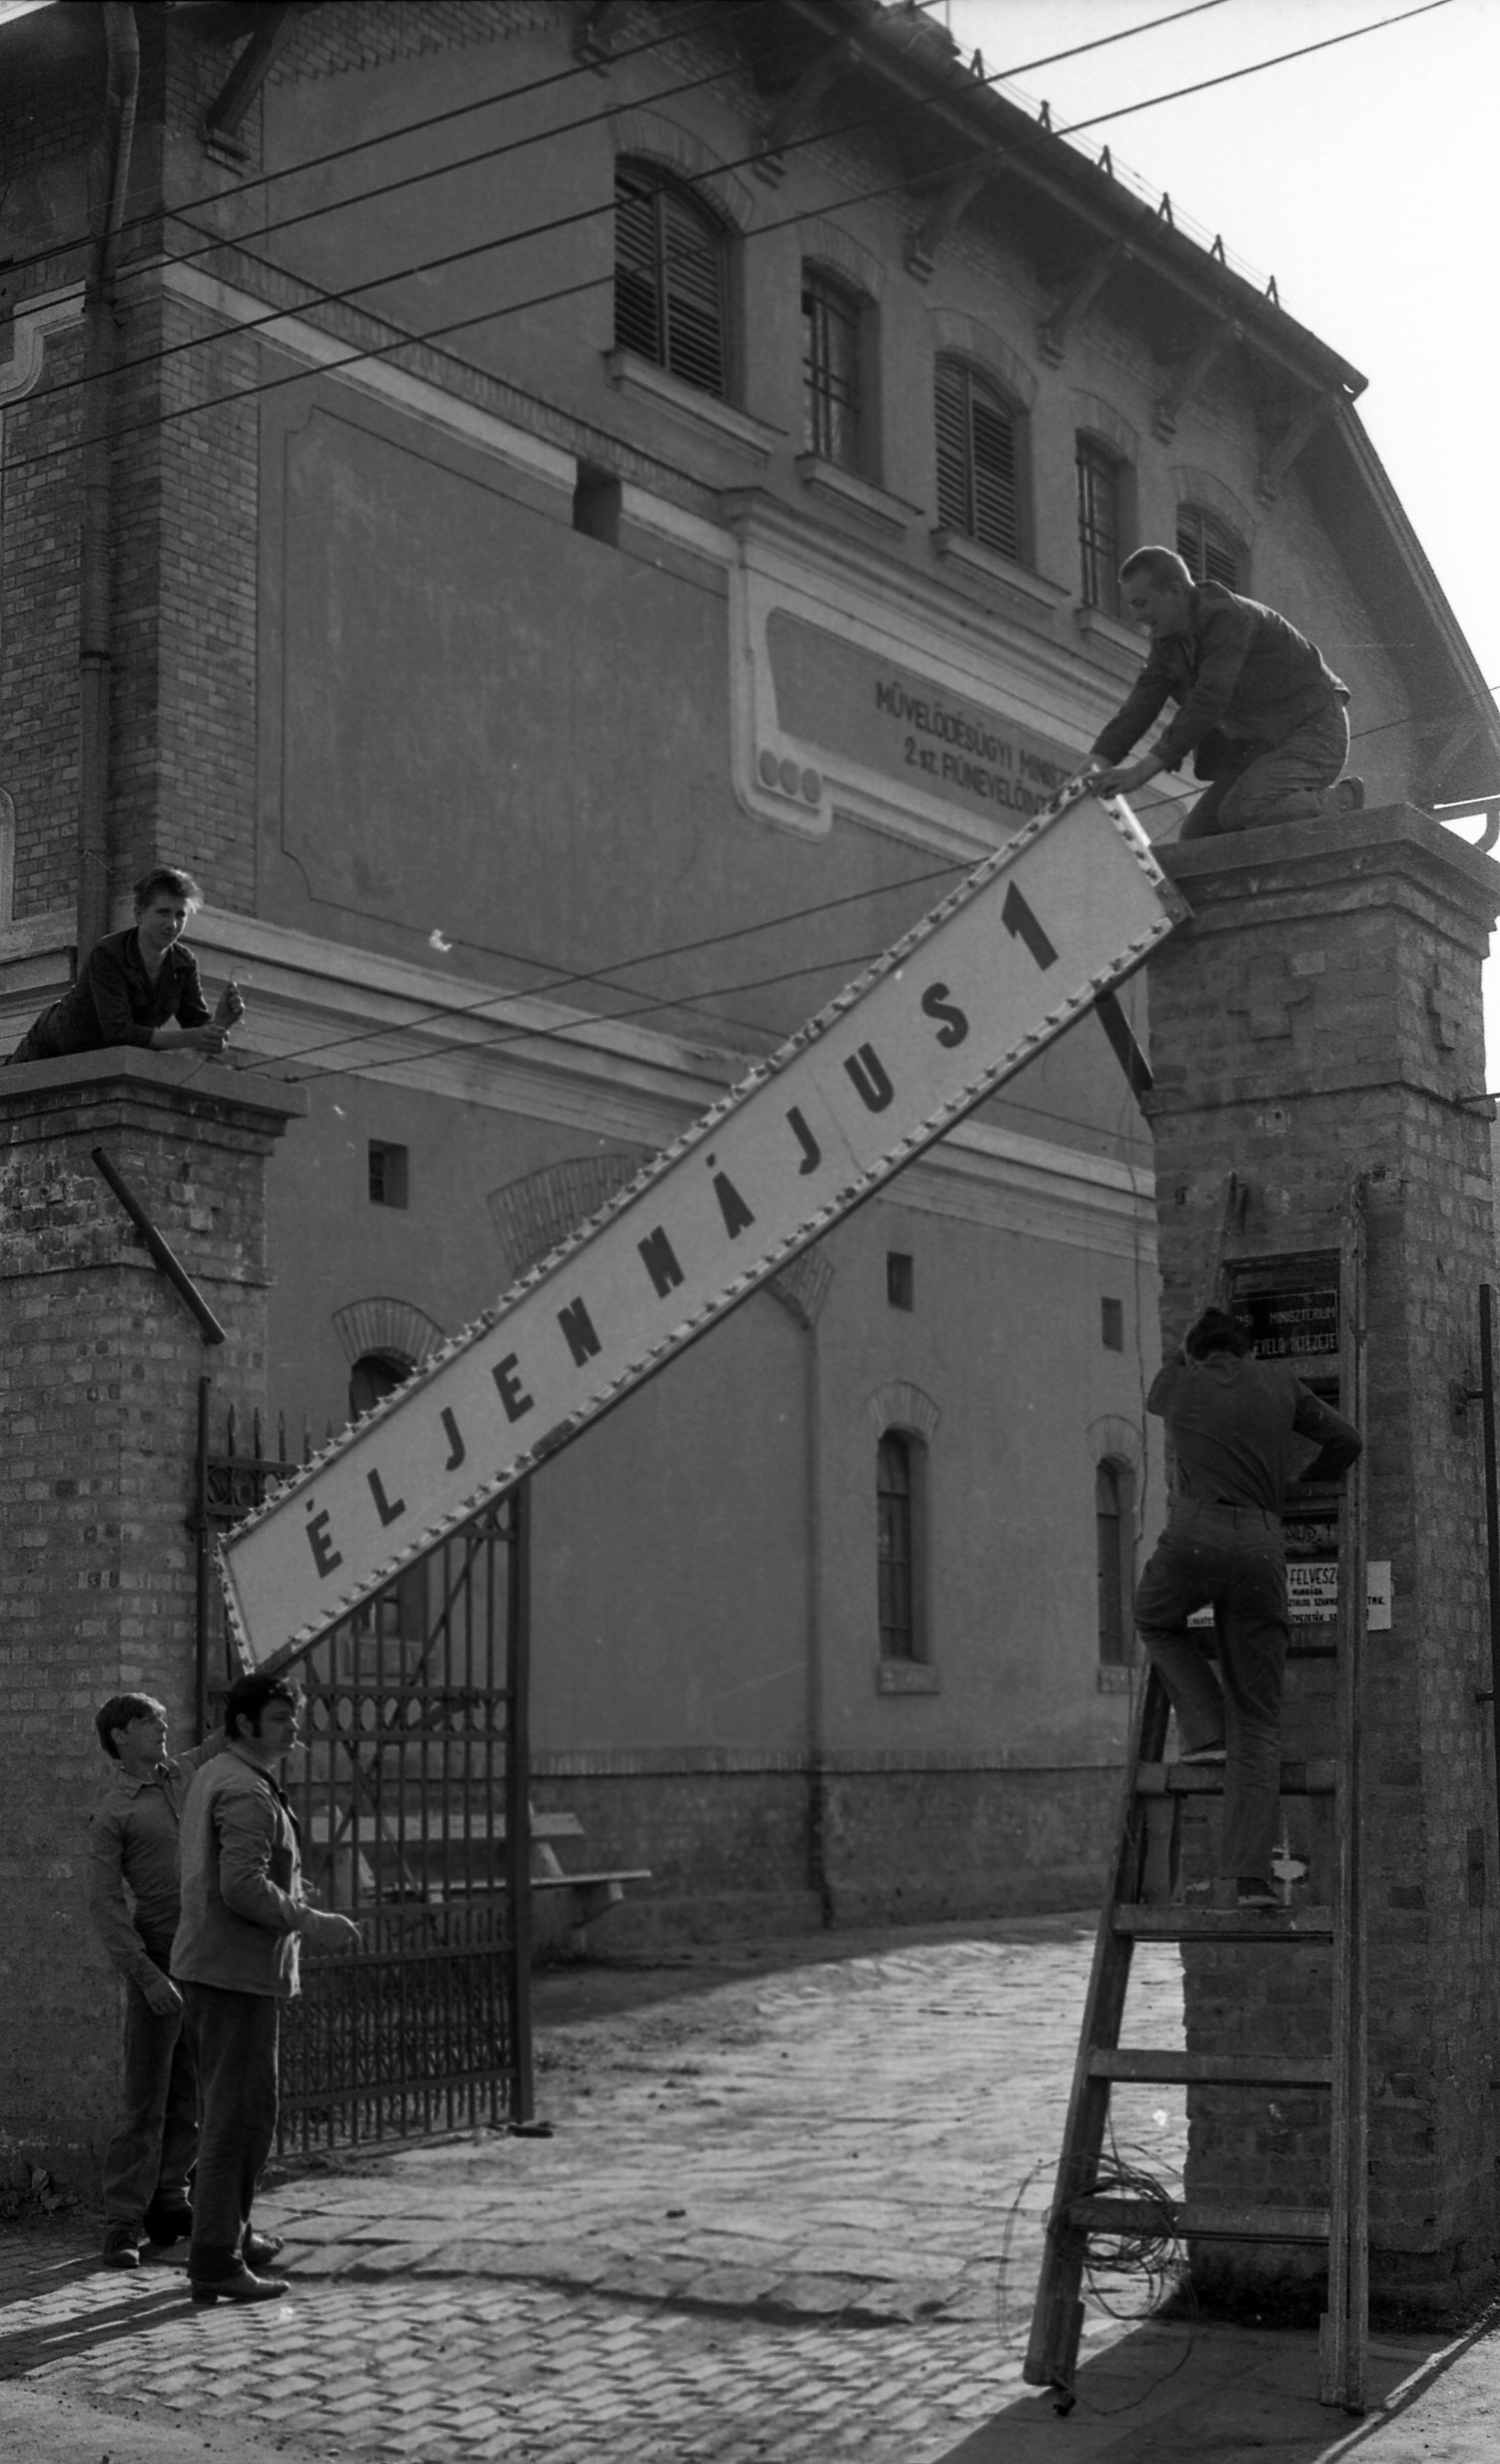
pixel 1290 853
pixel 130 1071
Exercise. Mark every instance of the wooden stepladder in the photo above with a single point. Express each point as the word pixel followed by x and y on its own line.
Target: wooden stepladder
pixel 1144 1904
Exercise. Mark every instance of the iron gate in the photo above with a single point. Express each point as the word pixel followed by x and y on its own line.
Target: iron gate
pixel 411 1793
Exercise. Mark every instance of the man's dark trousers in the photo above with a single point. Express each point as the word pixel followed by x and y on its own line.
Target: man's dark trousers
pixel 1231 1559
pixel 235 2038
pixel 156 2130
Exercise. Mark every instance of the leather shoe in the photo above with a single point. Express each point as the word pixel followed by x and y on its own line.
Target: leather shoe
pixel 241 2286
pixel 259 2250
pixel 122 2245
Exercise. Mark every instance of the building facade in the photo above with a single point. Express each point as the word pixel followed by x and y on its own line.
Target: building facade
pixel 607 510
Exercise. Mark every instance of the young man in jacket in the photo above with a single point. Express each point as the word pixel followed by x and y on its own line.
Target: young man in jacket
pixel 1263 716
pixel 244 1919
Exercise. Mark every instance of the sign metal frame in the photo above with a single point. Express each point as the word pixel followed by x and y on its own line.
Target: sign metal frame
pixel 1064 911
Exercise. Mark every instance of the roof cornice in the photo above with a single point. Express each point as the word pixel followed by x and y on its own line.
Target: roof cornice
pixel 989 121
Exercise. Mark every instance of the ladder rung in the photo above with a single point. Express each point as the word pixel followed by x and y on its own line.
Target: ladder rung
pixel 1206 1779
pixel 1222 1924
pixel 1155 2063
pixel 1200 2223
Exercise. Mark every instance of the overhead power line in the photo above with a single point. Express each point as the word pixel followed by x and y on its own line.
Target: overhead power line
pixel 715 14
pixel 567 978
pixel 714 11
pixel 247 245
pixel 1253 68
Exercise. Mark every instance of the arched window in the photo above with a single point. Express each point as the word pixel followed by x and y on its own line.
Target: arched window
pixel 373 1376
pixel 1209 549
pixel 670 278
pixel 979 460
pixel 1100 524
pixel 900 1501
pixel 1115 1556
pixel 833 387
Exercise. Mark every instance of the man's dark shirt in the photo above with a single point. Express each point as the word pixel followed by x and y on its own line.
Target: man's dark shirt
pixel 1234 1425
pixel 1239 669
pixel 135 1898
pixel 116 1002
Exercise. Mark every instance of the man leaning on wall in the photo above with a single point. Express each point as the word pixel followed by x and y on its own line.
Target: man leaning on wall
pixel 1262 714
pixel 133 1902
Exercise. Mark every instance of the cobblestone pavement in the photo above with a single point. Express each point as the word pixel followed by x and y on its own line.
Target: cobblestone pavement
pixel 788 2218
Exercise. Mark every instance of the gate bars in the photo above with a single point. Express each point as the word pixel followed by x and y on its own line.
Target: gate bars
pixel 412 1794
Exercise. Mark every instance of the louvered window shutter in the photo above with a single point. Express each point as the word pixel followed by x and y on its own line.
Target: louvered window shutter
pixel 1209 549
pixel 977 463
pixel 638 326
pixel 694 257
pixel 669 281
pixel 953 449
pixel 996 508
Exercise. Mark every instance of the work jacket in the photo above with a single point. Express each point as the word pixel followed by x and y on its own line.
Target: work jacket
pixel 241 1881
pixel 1238 669
pixel 116 1002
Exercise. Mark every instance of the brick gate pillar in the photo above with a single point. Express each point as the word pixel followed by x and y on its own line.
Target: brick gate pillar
pixel 1320 1018
pixel 99 1361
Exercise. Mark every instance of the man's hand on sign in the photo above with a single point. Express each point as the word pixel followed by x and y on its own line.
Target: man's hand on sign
pixel 1118 780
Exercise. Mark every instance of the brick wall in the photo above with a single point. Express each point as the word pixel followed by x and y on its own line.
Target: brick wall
pixel 39 506
pixel 99 1363
pixel 1320 1018
pixel 182 749
pixel 777 1848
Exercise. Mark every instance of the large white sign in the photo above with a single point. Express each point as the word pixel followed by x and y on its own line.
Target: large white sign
pixel 1035 934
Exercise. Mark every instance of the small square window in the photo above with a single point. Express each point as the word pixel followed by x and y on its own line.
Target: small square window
pixel 1112 1325
pixel 597 497
pixel 387 1173
pixel 900 1280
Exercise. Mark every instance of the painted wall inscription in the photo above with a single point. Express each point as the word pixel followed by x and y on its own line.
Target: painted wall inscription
pixel 856 706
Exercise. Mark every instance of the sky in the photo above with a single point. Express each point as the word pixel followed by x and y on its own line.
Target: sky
pixel 1362 177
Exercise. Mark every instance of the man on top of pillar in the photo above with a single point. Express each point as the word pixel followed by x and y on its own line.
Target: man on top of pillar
pixel 1240 1430
pixel 1263 716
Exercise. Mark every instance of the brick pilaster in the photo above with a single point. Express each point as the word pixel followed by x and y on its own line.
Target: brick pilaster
pixel 1320 1018
pixel 100 1362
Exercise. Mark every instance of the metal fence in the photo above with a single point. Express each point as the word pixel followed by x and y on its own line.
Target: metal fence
pixel 412 1797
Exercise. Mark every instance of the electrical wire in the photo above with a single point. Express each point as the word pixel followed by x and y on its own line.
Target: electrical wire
pixel 600 976
pixel 592 1021
pixel 404 339
pixel 605 976
pixel 538 231
pixel 244 187
pixel 496 101
pixel 1154 2253
pixel 1231 76
pixel 689 1002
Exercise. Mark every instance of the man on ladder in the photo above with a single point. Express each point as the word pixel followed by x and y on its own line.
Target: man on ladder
pixel 1233 1422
